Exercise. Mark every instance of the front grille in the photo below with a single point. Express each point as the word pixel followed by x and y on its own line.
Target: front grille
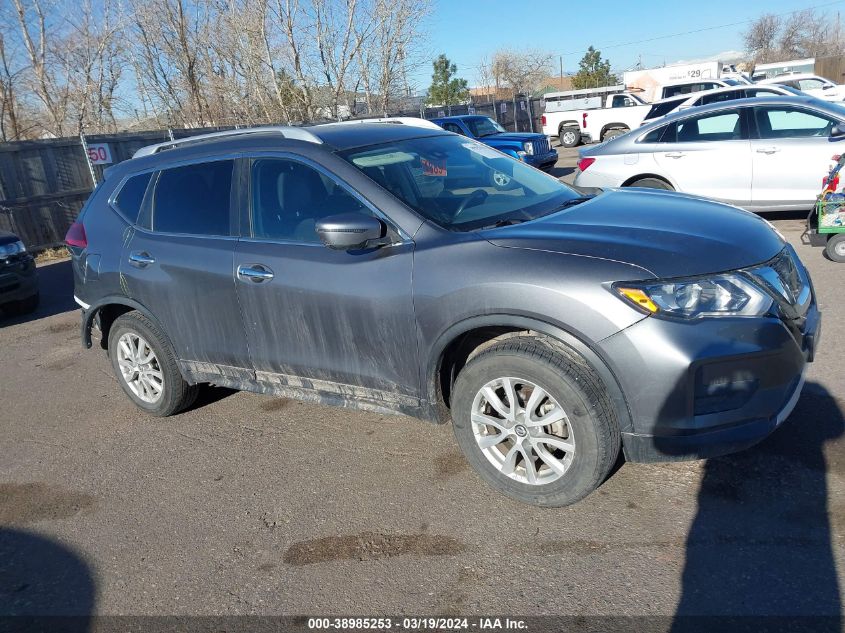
pixel 541 146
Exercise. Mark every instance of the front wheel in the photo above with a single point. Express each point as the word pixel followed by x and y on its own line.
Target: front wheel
pixel 835 248
pixel 534 423
pixel 145 366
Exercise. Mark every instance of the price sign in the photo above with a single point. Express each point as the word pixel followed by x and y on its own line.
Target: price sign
pixel 99 153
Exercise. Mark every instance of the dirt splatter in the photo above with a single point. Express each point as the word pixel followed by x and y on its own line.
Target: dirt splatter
pixel 448 465
pixel 631 505
pixel 27 503
pixel 56 328
pixel 370 546
pixel 60 363
pixel 267 567
pixel 275 404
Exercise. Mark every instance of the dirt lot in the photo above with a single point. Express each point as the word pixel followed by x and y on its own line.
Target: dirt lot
pixel 253 505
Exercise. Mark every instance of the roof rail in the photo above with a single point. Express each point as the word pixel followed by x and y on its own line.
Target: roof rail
pixel 404 120
pixel 298 133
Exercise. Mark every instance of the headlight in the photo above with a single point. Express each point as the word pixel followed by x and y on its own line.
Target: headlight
pixel 528 146
pixel 7 250
pixel 719 295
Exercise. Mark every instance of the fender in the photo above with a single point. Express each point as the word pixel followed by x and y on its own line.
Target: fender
pixel 618 125
pixel 587 351
pixel 89 314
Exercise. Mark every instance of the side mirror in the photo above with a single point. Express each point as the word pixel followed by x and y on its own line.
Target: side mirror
pixel 349 231
pixel 838 130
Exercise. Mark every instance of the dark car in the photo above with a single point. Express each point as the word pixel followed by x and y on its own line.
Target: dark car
pixel 375 266
pixel 18 279
pixel 528 147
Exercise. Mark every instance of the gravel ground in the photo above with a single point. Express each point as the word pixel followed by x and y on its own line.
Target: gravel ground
pixel 248 504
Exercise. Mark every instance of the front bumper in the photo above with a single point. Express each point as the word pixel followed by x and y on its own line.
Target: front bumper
pixel 710 388
pixel 18 279
pixel 542 161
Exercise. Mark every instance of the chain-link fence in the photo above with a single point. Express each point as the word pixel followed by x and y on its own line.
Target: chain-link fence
pixel 44 183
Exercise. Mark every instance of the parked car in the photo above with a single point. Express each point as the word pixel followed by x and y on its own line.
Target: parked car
pixel 762 154
pixel 621 112
pixel 18 279
pixel 528 147
pixel 374 266
pixel 730 93
pixel 810 84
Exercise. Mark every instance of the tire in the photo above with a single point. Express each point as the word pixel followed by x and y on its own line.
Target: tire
pixel 835 248
pixel 174 394
pixel 652 183
pixel 588 435
pixel 569 136
pixel 612 134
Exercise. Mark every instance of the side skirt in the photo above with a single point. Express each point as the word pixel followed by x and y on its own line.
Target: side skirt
pixel 308 390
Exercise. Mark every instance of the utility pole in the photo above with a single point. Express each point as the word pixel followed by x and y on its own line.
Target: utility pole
pixel 561 72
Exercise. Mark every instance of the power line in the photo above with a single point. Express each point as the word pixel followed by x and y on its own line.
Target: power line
pixel 701 30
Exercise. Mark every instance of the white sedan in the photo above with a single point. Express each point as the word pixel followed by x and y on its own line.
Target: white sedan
pixel 813 85
pixel 763 154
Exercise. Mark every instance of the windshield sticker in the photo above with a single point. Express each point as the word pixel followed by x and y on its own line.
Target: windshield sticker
pixel 482 150
pixel 377 160
pixel 433 167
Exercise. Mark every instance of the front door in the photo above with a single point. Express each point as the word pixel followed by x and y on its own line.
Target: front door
pixel 335 321
pixel 178 263
pixel 791 156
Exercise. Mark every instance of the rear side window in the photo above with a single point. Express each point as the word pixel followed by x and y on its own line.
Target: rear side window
pixel 719 126
pixel 719 96
pixel 194 199
pixel 131 196
pixel 662 108
pixel 653 136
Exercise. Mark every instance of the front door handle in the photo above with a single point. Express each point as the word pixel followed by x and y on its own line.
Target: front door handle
pixel 768 150
pixel 675 154
pixel 254 272
pixel 141 259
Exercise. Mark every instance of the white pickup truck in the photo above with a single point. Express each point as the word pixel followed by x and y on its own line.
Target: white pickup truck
pixel 622 112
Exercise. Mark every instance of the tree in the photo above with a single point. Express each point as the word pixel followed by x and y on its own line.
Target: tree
pixel 805 33
pixel 446 89
pixel 593 72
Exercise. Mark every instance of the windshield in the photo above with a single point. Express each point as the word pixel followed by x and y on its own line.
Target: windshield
pixel 460 184
pixel 483 126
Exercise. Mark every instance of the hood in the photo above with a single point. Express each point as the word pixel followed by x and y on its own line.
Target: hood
pixel 7 238
pixel 665 233
pixel 513 136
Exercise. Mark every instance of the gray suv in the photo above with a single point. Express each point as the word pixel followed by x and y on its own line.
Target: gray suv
pixel 401 268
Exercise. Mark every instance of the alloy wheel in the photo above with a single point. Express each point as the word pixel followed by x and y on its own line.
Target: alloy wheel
pixel 522 431
pixel 140 368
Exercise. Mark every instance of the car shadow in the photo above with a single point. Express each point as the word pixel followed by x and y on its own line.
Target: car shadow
pixel 759 554
pixel 44 586
pixel 560 172
pixel 55 285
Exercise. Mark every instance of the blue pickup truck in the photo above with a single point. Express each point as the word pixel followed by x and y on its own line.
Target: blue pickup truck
pixel 533 149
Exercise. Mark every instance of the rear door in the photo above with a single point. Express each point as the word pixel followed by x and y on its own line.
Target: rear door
pixel 178 261
pixel 337 321
pixel 791 155
pixel 709 155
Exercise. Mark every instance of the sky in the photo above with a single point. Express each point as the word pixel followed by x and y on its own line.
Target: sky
pixel 467 30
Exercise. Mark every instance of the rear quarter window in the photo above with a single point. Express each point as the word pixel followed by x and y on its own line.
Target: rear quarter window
pixel 130 198
pixel 194 199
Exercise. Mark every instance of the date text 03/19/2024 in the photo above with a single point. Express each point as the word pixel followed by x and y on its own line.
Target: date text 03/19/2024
pixel 417 624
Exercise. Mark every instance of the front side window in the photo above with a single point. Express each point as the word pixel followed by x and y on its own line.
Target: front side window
pixel 787 122
pixel 131 196
pixel 289 197
pixel 194 199
pixel 719 126
pixel 483 126
pixel 459 183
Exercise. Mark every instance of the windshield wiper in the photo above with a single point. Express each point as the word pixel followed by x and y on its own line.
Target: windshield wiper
pixel 573 202
pixel 505 222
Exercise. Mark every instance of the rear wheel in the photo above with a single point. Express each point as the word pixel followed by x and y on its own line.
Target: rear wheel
pixel 652 183
pixel 569 136
pixel 835 248
pixel 535 424
pixel 145 366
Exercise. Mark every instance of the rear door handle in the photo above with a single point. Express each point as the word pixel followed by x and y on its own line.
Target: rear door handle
pixel 255 273
pixel 141 259
pixel 675 154
pixel 768 150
